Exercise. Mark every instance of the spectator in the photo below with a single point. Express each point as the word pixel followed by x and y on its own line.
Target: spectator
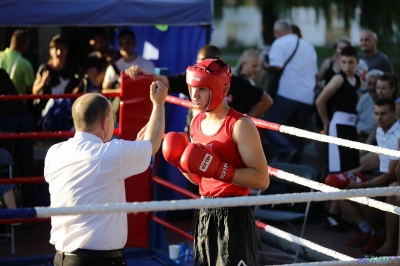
pixel 127 44
pixel 242 96
pixel 111 82
pixel 341 93
pixel 15 118
pixel 296 30
pixel 365 107
pixel 331 66
pixel 371 237
pixel 392 224
pixel 250 66
pixel 342 90
pixel 295 96
pixel 387 87
pixel 19 68
pixel 97 61
pixel 370 53
pixel 58 75
pixel 7 193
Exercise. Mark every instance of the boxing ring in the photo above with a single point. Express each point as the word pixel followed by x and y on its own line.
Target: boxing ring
pixel 136 106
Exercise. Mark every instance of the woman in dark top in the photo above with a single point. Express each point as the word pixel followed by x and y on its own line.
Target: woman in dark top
pixel 58 75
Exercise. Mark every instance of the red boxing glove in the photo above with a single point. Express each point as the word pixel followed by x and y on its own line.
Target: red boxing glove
pixel 173 146
pixel 358 177
pixel 200 160
pixel 341 180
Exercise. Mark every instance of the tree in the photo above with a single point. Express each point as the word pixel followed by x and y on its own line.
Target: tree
pixel 381 17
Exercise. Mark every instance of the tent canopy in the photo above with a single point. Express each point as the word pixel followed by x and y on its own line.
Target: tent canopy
pixel 105 12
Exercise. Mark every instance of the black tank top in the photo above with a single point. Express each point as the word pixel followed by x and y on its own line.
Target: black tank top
pixel 345 98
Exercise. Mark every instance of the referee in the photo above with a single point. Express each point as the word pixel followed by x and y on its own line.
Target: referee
pixel 90 168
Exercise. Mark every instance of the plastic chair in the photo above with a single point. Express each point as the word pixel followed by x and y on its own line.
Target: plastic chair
pixel 302 170
pixel 6 166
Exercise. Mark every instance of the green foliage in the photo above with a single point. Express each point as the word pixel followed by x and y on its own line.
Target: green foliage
pixel 383 17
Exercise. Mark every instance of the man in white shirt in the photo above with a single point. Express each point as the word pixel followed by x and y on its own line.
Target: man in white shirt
pixel 91 169
pixel 126 43
pixel 295 95
pixel 372 235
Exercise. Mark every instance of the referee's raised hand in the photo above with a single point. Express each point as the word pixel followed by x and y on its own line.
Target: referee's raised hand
pixel 158 92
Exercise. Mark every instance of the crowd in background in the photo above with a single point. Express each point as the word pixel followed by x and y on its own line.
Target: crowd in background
pixel 353 95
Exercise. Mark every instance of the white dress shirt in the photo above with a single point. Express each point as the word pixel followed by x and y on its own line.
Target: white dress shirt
pixel 389 140
pixel 84 170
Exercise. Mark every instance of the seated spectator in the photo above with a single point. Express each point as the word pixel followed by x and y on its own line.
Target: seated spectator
pixel 7 193
pixel 15 118
pixel 387 86
pixel 392 239
pixel 372 235
pixel 365 107
pixel 57 76
pixel 250 66
pixel 97 61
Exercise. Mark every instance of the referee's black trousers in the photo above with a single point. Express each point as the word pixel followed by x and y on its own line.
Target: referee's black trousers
pixel 89 258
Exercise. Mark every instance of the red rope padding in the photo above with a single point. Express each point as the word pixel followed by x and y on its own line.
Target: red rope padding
pixel 259 122
pixel 24 221
pixel 179 101
pixel 175 188
pixel 158 180
pixel 43 135
pixel 22 180
pixel 265 124
pixel 172 227
pixel 49 96
pixel 261 225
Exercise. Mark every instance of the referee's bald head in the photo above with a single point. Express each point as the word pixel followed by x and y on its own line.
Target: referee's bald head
pixel 88 110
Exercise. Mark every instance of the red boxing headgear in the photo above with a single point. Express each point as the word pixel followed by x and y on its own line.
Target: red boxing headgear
pixel 214 74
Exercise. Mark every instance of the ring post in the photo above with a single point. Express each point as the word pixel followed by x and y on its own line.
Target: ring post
pixel 135 110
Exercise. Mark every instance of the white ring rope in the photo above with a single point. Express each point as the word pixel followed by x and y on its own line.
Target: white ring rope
pixel 215 202
pixel 306 243
pixel 361 261
pixel 338 141
pixel 325 188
